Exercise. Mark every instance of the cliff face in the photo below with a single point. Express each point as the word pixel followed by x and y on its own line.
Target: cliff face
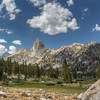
pixel 80 57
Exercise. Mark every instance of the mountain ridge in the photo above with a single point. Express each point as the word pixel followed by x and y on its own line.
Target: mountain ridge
pixel 78 56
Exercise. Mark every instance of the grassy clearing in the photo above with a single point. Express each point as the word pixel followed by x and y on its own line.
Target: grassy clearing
pixel 49 86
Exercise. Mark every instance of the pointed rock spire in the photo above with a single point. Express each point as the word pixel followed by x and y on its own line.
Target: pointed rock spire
pixel 38 45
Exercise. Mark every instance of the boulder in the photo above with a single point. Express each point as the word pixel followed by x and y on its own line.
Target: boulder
pixel 3 94
pixel 79 96
pixel 93 93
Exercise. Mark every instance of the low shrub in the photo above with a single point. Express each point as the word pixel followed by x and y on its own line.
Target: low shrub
pixel 59 82
pixel 50 84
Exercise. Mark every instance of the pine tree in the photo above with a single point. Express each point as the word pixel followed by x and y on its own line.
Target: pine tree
pixel 42 72
pixel 98 71
pixel 19 73
pixel 9 66
pixel 1 68
pixel 52 73
pixel 37 71
pixel 13 68
pixel 66 73
pixel 1 72
pixel 56 73
pixel 30 70
pixel 25 71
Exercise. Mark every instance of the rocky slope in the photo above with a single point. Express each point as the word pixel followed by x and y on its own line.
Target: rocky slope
pixel 83 58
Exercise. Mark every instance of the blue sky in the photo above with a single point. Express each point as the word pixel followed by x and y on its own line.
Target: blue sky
pixel 55 22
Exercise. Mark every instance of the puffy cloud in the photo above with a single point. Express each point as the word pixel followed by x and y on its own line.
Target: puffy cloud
pixel 97 28
pixel 12 49
pixel 18 42
pixel 12 16
pixel 38 2
pixel 70 2
pixel 2 30
pixel 10 7
pixel 3 41
pixel 85 10
pixel 2 49
pixel 9 32
pixel 54 19
pixel 73 24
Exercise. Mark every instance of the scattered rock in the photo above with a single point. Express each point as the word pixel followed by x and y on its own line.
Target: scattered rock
pixel 25 94
pixel 29 94
pixel 44 99
pixel 3 94
pixel 42 91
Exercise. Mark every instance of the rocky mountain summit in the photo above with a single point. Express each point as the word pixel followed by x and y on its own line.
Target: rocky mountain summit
pixel 82 58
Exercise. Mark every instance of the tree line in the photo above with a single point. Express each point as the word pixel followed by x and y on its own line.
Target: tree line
pixel 9 68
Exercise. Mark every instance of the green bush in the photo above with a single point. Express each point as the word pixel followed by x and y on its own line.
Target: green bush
pixel 36 80
pixel 59 82
pixel 50 84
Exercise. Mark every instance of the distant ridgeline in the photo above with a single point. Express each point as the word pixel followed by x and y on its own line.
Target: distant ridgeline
pixel 81 58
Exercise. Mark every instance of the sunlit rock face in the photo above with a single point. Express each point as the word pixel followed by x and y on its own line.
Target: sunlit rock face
pixel 38 48
pixel 82 58
pixel 38 45
pixel 93 93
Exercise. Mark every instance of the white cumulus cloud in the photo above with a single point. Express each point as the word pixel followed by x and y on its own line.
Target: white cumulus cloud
pixel 54 19
pixel 73 24
pixel 10 7
pixel 38 2
pixel 96 28
pixel 18 42
pixel 70 2
pixel 2 49
pixel 12 49
pixel 3 41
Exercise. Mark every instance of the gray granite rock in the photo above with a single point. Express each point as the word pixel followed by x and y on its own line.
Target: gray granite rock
pixel 93 93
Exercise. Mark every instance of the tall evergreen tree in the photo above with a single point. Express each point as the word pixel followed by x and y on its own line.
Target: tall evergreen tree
pixel 52 73
pixel 25 71
pixel 98 71
pixel 1 72
pixel 37 71
pixel 66 72
pixel 1 68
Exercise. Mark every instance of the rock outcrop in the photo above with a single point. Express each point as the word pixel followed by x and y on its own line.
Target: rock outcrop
pixel 93 93
pixel 6 54
pixel 38 46
pixel 82 58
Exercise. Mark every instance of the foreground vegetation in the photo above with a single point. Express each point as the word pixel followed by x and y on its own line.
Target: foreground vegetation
pixel 51 85
pixel 52 80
